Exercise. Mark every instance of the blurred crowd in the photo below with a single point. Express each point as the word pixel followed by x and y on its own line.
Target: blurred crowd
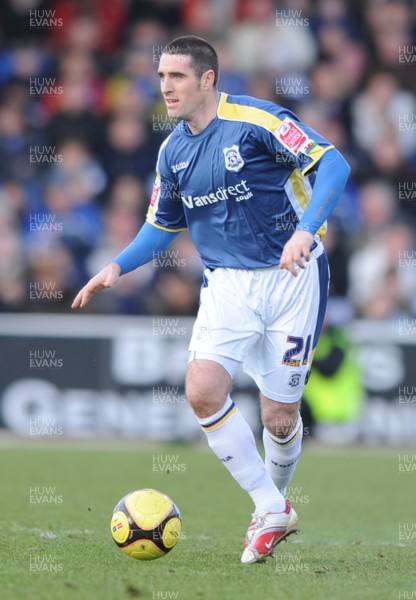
pixel 81 122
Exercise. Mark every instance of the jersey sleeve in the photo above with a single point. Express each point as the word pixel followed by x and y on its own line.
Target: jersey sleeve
pixel 291 139
pixel 166 208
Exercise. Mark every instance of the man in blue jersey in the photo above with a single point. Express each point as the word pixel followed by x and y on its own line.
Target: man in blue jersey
pixel 254 187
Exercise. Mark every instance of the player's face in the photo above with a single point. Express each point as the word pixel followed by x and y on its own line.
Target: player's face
pixel 180 86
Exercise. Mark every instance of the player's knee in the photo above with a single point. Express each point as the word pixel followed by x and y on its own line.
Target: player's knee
pixel 198 394
pixel 207 387
pixel 279 418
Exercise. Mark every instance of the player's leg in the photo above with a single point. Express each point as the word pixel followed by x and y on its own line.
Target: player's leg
pixel 266 532
pixel 282 439
pixel 291 346
pixel 279 363
pixel 227 327
pixel 208 386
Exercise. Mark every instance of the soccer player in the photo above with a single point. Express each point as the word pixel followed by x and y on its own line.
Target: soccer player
pixel 254 187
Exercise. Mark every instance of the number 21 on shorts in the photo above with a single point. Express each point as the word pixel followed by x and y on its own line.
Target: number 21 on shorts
pixel 292 357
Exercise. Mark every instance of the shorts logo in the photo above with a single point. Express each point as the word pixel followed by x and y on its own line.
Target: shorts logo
pixel 201 333
pixel 233 160
pixel 294 380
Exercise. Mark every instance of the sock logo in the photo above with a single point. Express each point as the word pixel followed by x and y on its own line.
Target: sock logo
pixel 284 466
pixel 226 459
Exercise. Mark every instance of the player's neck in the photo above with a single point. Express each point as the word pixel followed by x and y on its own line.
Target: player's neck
pixel 206 113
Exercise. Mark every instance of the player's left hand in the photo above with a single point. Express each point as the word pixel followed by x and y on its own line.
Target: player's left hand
pixel 296 251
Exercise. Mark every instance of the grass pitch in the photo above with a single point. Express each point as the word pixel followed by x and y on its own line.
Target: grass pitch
pixel 357 518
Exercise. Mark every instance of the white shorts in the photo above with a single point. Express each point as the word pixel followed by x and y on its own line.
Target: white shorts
pixel 266 319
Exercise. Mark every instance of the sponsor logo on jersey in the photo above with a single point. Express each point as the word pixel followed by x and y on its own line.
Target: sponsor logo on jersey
pixel 238 192
pixel 179 166
pixel 233 159
pixel 293 138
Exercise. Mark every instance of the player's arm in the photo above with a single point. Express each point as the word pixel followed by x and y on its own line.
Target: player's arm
pixel 286 136
pixel 165 220
pixel 332 175
pixel 149 241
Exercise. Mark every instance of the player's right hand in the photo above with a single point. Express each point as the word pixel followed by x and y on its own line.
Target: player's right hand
pixel 106 278
pixel 296 252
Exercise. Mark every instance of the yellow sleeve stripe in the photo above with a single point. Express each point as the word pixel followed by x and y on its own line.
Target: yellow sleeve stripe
pixel 249 114
pixel 303 198
pixel 165 228
pixel 299 189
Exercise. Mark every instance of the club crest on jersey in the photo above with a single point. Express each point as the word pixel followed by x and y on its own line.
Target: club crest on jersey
pixel 233 159
pixel 294 380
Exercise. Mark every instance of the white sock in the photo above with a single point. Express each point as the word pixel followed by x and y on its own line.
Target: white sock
pixel 282 455
pixel 231 439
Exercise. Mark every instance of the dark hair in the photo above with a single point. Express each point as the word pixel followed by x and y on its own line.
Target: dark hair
pixel 202 54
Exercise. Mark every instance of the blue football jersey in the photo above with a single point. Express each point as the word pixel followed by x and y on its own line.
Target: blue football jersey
pixel 241 185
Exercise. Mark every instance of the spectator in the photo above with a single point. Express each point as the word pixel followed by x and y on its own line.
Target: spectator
pixel 123 217
pixel 71 203
pixel 75 116
pixel 382 282
pixel 376 116
pixel 130 149
pixel 13 294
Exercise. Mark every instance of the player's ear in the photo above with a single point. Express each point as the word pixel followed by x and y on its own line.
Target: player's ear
pixel 208 80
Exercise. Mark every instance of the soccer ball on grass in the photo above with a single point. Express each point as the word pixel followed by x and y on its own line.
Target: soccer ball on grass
pixel 146 524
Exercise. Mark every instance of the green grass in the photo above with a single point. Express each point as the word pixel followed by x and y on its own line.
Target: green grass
pixel 350 504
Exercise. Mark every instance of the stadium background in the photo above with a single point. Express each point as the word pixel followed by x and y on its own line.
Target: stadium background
pixel 81 121
pixel 80 125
